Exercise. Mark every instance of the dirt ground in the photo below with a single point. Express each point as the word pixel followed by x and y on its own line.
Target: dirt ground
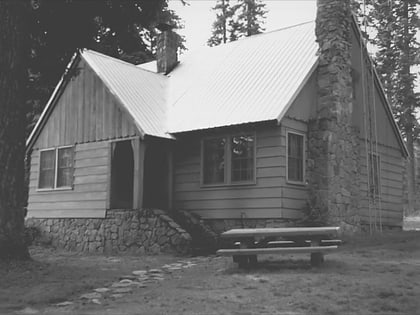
pixel 369 275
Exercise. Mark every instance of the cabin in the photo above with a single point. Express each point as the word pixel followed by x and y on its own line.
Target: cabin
pixel 239 135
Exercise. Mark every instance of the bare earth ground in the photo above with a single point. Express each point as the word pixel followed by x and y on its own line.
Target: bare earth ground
pixel 373 275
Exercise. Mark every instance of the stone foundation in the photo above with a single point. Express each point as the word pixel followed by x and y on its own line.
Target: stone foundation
pixel 122 231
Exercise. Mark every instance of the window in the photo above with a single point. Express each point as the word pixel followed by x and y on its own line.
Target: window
pixel 374 175
pixel 295 157
pixel 56 168
pixel 242 153
pixel 228 160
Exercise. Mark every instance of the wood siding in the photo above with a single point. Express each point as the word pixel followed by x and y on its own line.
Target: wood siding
pixel 85 112
pixel 389 210
pixel 269 197
pixel 369 102
pixel 88 197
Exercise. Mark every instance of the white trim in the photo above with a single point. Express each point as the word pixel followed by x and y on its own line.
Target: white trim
pixel 303 135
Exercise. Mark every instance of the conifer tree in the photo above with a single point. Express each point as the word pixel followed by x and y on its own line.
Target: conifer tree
pixel 236 19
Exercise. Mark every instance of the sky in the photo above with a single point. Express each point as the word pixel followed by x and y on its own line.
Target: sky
pixel 199 17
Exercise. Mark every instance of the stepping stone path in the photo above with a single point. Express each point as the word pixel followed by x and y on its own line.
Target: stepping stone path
pixel 138 279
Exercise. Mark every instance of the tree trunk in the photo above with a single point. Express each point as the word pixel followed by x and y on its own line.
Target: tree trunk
pixel 12 130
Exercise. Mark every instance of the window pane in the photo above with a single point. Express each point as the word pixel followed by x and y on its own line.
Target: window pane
pixel 374 174
pixel 65 167
pixel 295 157
pixel 214 161
pixel 242 155
pixel 46 170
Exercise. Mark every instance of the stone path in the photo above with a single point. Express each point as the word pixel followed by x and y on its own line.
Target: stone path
pixel 137 279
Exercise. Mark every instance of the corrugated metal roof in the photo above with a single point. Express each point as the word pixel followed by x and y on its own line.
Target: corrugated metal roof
pixel 250 80
pixel 141 92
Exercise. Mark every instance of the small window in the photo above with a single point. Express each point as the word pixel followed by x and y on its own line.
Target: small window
pixel 374 174
pixel 56 168
pixel 295 157
pixel 242 152
pixel 214 161
pixel 65 167
pixel 47 169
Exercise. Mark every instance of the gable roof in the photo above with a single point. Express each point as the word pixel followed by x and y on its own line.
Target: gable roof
pixel 137 91
pixel 140 92
pixel 250 80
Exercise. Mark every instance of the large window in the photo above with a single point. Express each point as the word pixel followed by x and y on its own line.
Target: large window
pixel 295 157
pixel 56 168
pixel 229 160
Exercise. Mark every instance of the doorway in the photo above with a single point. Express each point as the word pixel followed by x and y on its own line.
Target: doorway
pixel 156 176
pixel 122 175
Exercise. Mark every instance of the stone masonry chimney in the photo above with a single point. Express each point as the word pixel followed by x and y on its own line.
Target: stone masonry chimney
pixel 332 141
pixel 167 50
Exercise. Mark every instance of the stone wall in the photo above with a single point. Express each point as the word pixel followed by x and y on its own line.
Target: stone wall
pixel 332 141
pixel 122 231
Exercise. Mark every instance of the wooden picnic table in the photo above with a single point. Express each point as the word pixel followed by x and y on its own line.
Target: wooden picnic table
pixel 246 244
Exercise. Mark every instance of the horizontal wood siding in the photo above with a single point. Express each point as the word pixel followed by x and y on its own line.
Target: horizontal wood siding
pixel 390 209
pixel 88 197
pixel 85 112
pixel 269 197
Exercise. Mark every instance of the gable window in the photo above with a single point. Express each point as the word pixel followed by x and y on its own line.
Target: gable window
pixel 56 168
pixel 295 157
pixel 374 174
pixel 228 160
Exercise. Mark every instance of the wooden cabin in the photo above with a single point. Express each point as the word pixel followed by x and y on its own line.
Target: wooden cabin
pixel 224 135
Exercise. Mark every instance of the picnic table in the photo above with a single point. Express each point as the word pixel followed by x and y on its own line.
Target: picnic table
pixel 245 244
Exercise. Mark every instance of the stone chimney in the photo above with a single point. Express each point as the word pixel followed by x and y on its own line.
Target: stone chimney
pixel 167 49
pixel 332 141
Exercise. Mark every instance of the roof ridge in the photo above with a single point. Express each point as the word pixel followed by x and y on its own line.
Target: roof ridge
pixel 265 33
pixel 118 60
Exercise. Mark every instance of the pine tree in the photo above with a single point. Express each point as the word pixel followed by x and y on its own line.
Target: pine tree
pixel 12 130
pixel 250 15
pixel 220 26
pixel 236 19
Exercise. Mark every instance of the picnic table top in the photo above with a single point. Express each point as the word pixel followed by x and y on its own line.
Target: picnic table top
pixel 287 231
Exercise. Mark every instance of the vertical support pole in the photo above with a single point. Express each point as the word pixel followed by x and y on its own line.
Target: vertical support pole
pixel 316 258
pixel 109 177
pixel 138 185
pixel 170 178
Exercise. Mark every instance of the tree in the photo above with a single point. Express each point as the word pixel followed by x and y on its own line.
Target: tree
pixel 120 28
pixel 237 19
pixel 250 18
pixel 219 29
pixel 12 131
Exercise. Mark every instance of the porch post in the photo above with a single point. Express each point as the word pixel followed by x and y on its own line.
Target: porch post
pixel 138 185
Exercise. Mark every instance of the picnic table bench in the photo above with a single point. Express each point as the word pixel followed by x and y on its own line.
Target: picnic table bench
pixel 246 244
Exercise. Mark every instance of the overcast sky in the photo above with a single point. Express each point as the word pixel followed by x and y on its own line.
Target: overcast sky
pixel 199 17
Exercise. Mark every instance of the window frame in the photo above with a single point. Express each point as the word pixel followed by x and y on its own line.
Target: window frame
pixel 54 188
pixel 228 161
pixel 303 135
pixel 376 159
